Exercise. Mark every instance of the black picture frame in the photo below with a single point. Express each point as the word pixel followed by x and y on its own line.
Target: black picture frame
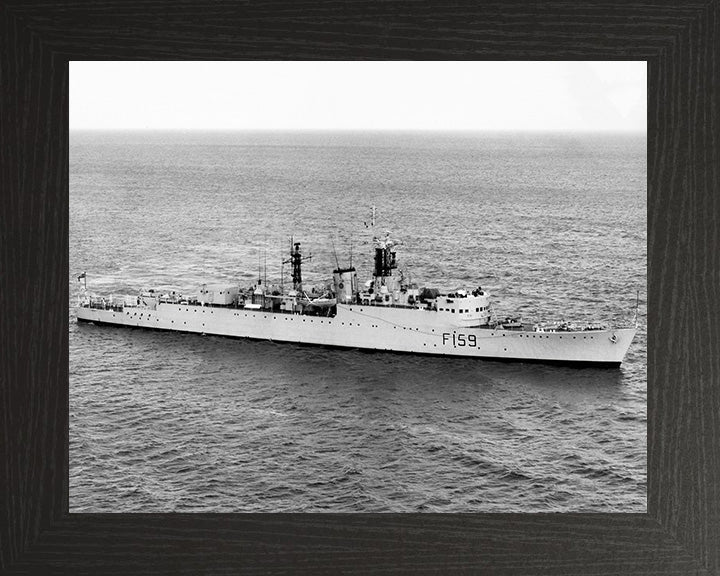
pixel 680 534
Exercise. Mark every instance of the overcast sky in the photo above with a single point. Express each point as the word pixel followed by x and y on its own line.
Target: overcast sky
pixel 584 96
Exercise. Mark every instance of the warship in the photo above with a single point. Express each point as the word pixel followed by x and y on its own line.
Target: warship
pixel 386 313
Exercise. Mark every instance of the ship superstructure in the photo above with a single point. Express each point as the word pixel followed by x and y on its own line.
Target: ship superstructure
pixel 387 313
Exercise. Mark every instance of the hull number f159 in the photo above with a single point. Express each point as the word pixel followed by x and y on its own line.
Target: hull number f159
pixel 460 340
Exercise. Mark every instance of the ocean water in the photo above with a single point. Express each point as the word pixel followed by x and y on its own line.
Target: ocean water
pixel 553 225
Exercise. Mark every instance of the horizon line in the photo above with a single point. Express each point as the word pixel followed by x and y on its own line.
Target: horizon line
pixel 452 130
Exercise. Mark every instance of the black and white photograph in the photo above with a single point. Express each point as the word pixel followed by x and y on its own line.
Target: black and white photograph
pixel 358 286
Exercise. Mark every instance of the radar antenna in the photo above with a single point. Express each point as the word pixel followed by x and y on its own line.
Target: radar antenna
pixel 372 218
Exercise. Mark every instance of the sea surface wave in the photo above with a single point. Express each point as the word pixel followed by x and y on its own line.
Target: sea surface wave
pixel 553 225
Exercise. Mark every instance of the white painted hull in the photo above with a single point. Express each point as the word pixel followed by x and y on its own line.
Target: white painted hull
pixel 416 331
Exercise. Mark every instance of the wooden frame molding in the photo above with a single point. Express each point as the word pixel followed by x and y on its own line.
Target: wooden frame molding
pixel 680 534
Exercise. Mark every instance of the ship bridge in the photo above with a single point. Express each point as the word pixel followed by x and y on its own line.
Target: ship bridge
pixel 462 309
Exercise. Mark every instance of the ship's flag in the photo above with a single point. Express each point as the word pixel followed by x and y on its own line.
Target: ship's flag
pixel 81 276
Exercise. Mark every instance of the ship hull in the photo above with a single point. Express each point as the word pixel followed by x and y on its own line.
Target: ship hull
pixel 416 331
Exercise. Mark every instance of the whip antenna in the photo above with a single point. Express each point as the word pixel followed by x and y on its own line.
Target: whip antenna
pixel 337 262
